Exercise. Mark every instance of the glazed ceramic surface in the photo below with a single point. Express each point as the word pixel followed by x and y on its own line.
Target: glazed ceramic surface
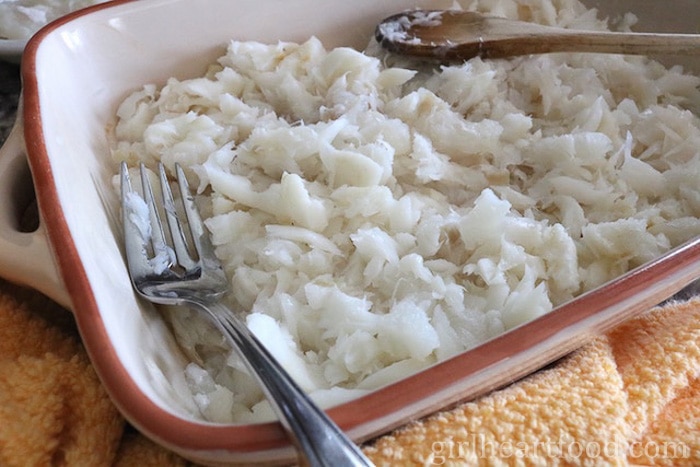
pixel 77 70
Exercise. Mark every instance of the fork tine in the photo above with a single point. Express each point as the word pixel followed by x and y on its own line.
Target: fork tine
pixel 200 237
pixel 157 235
pixel 163 253
pixel 178 236
pixel 136 232
pixel 125 184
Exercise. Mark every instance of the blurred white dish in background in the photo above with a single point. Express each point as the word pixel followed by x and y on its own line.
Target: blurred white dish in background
pixel 20 19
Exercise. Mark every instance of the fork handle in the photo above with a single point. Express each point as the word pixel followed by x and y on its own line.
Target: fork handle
pixel 317 438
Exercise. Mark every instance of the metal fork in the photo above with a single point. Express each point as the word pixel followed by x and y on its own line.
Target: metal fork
pixel 169 265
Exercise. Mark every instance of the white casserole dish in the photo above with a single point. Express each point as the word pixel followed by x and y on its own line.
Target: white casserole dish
pixel 75 73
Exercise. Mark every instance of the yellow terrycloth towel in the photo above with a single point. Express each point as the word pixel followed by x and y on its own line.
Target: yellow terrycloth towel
pixel 53 410
pixel 631 397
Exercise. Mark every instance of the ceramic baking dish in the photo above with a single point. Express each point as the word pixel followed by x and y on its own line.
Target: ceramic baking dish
pixel 76 71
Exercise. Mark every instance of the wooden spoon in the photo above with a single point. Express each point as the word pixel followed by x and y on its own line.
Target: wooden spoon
pixel 459 35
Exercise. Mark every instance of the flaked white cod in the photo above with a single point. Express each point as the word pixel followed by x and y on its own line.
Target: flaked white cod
pixel 375 219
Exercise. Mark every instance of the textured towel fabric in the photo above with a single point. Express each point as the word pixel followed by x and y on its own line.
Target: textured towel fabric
pixel 53 410
pixel 628 398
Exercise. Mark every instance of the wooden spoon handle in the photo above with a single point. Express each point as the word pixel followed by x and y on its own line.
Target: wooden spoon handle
pixel 582 41
pixel 460 35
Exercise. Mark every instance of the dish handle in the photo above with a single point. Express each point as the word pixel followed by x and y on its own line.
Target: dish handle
pixel 25 254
